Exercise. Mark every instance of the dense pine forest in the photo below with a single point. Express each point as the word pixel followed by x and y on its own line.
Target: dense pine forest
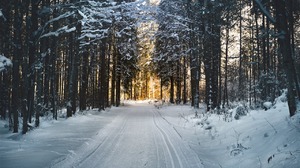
pixel 81 54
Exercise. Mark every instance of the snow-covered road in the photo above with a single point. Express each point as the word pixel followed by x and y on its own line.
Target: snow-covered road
pixel 138 137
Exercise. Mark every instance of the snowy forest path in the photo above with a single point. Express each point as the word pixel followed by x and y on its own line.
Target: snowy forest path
pixel 138 137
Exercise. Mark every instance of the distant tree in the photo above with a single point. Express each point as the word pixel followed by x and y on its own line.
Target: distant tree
pixel 170 43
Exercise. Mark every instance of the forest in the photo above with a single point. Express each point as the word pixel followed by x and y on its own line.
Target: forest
pixel 86 54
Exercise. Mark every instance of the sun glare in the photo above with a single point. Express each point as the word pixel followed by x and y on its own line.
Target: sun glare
pixel 154 2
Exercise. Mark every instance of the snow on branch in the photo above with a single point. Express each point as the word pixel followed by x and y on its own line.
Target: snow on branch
pixel 1 15
pixel 265 11
pixel 65 15
pixel 82 14
pixel 4 63
pixel 62 30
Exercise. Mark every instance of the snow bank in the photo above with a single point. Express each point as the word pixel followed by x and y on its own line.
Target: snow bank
pixel 267 105
pixel 260 139
pixel 4 63
pixel 51 141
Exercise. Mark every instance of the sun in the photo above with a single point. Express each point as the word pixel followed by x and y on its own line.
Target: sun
pixel 154 2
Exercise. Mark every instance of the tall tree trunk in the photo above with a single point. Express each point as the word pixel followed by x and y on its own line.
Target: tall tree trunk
pixel 285 49
pixel 107 76
pixel 39 74
pixel 161 89
pixel 75 67
pixel 193 60
pixel 291 21
pixel 84 81
pixel 52 76
pixel 241 80
pixel 184 94
pixel 257 69
pixel 216 55
pixel 5 46
pixel 93 78
pixel 225 89
pixel 16 65
pixel 118 80
pixel 32 56
pixel 69 90
pixel 102 76
pixel 172 89
pixel 113 77
pixel 178 83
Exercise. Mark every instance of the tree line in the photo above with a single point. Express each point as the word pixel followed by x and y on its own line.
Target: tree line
pixel 232 50
pixel 81 54
pixel 65 53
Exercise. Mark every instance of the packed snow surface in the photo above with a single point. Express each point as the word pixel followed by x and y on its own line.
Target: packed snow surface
pixel 142 134
pixel 138 137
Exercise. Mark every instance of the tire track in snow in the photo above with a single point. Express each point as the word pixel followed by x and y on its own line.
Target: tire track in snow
pixel 134 139
pixel 186 157
pixel 106 141
pixel 159 158
pixel 110 143
pixel 175 160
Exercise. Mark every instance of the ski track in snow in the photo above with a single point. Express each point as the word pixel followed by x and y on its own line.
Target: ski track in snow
pixel 138 137
pixel 180 153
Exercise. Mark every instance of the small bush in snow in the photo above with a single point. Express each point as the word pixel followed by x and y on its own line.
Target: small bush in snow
pixel 267 105
pixel 227 115
pixel 240 111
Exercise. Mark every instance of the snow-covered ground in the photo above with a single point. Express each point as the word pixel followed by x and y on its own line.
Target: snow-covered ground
pixel 52 140
pixel 140 134
pixel 261 139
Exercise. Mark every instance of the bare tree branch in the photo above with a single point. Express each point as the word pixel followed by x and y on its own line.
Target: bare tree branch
pixel 265 11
